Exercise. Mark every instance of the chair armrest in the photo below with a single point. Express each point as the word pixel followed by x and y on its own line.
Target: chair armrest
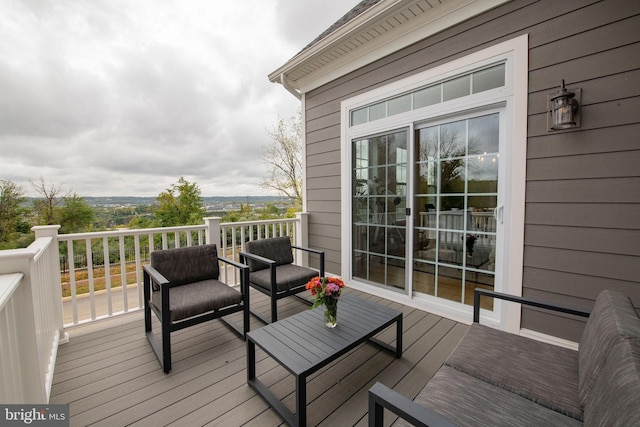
pixel 381 397
pixel 233 263
pixel 244 276
pixel 477 293
pixel 155 275
pixel 302 248
pixel 257 258
pixel 315 251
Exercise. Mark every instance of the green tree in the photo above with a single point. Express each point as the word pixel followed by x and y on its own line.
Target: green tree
pixel 180 204
pixel 283 157
pixel 75 215
pixel 11 213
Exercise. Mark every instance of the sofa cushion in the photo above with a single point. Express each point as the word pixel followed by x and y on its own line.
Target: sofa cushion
pixel 277 249
pixel 614 398
pixel 469 401
pixel 197 298
pixel 287 277
pixel 612 319
pixel 543 373
pixel 187 265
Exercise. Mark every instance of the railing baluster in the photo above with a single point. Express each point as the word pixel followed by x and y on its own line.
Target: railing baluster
pixel 92 299
pixel 72 280
pixel 107 274
pixel 123 275
pixel 136 246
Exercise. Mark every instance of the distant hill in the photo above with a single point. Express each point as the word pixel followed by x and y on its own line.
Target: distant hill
pixel 208 200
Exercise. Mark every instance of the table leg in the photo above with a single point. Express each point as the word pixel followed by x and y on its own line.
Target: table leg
pixel 301 400
pixel 399 337
pixel 251 360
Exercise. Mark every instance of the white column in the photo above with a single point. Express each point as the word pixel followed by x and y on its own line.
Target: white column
pixel 213 231
pixel 54 274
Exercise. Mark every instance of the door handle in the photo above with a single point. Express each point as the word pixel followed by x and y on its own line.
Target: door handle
pixel 498 214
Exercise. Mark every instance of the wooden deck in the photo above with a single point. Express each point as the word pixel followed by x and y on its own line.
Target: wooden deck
pixel 110 376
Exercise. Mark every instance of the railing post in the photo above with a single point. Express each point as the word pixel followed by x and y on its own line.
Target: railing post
pixel 212 231
pixel 302 237
pixel 54 274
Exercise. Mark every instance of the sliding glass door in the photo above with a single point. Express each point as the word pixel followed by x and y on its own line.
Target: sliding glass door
pixel 379 202
pixel 445 203
pixel 456 175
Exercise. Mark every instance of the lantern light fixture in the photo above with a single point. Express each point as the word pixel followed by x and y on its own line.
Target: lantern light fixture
pixel 563 109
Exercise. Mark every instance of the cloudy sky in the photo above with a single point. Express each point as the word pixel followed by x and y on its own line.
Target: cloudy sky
pixel 122 97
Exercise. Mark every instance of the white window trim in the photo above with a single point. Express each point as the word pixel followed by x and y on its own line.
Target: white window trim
pixel 515 52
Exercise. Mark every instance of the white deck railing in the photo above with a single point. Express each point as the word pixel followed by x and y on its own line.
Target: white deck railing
pixel 96 265
pixel 30 319
pixel 108 266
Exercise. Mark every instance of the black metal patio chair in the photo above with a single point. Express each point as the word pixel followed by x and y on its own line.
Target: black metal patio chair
pixel 272 271
pixel 182 288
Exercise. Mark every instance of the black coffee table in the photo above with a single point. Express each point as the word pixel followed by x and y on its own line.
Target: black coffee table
pixel 302 345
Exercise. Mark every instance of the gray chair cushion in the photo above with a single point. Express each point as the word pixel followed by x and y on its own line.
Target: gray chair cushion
pixel 615 397
pixel 612 319
pixel 198 298
pixel 468 401
pixel 187 265
pixel 287 276
pixel 277 249
pixel 541 372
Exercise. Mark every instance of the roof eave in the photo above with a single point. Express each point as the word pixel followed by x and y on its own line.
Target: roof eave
pixel 446 15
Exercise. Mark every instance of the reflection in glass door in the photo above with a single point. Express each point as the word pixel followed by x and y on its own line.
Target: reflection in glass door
pixel 379 201
pixel 456 194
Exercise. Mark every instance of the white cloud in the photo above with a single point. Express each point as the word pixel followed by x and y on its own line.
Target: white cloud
pixel 123 97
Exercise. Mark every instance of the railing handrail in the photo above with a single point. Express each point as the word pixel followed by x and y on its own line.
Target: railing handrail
pixel 129 232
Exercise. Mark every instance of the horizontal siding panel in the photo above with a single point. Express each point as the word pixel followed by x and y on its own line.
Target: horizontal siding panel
pixel 331 231
pixel 604 165
pixel 325 183
pixel 614 61
pixel 325 218
pixel 607 114
pixel 619 138
pixel 620 267
pixel 603 215
pixel 321 159
pixel 320 147
pixel 567 327
pixel 323 206
pixel 324 195
pixel 581 20
pixel 324 170
pixel 594 91
pixel 621 242
pixel 331 108
pixel 611 190
pixel 324 134
pixel 580 288
pixel 587 43
pixel 322 122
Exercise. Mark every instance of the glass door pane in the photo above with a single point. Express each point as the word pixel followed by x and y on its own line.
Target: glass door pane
pixel 456 193
pixel 379 201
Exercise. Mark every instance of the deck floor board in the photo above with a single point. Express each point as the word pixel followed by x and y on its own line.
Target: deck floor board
pixel 110 376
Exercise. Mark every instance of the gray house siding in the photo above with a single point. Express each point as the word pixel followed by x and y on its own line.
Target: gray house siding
pixel 582 218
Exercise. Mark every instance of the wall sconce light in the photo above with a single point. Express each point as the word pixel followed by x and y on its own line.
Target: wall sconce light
pixel 563 109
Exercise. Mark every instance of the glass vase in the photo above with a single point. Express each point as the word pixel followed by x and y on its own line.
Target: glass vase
pixel 331 314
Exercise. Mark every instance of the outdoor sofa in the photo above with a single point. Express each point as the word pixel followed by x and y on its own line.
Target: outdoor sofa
pixel 496 378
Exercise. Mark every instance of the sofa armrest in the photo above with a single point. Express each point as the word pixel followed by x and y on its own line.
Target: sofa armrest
pixel 314 251
pixel 477 293
pixel 381 397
